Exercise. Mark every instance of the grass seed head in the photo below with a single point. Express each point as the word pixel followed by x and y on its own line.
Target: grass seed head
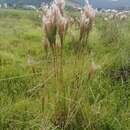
pixel 92 69
pixel 54 21
pixel 60 4
pixel 86 20
pixel 89 11
pixel 49 21
pixel 62 26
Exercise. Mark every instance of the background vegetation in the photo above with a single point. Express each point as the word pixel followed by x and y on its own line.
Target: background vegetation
pixel 24 2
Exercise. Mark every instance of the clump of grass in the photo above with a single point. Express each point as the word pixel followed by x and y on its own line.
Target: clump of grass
pixel 112 30
pixel 86 22
pixel 55 22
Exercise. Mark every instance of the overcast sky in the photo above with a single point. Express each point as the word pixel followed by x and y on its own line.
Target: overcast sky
pixel 110 3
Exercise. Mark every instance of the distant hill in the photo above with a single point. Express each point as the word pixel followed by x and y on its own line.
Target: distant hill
pixel 95 3
pixel 24 2
pixel 105 3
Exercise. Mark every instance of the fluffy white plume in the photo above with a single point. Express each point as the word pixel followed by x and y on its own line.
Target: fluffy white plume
pixel 87 2
pixel 86 20
pixel 60 3
pixel 89 11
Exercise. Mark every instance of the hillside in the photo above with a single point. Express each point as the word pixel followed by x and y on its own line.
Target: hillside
pixel 95 3
pixel 25 2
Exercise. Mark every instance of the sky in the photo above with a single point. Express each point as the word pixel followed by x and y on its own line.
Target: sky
pixel 110 3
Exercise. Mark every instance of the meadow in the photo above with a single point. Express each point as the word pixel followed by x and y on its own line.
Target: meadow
pixel 30 100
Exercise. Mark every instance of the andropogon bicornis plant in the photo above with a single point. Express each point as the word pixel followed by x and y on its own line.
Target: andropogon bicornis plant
pixel 86 22
pixel 55 23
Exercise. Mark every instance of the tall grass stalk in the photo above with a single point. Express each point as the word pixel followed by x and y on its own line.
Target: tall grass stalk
pixel 86 22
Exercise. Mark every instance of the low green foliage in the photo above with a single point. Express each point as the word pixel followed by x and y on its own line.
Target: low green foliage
pixel 30 101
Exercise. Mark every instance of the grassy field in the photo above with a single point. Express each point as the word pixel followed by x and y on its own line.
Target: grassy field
pixel 28 101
